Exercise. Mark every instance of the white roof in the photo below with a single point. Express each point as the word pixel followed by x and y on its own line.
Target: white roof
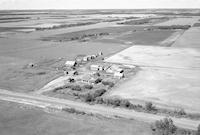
pixel 118 74
pixel 70 62
pixel 94 65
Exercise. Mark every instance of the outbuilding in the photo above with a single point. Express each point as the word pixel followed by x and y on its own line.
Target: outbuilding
pixel 86 58
pixel 119 75
pixel 70 63
pixel 94 67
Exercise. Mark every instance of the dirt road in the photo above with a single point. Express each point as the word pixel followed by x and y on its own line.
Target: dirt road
pixel 44 101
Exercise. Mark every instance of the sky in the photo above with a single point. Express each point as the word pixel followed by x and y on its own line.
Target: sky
pixel 97 4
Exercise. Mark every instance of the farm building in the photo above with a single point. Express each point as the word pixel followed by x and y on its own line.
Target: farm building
pixel 71 73
pixel 119 75
pixel 96 67
pixel 88 79
pixel 100 54
pixel 93 56
pixel 70 63
pixel 114 68
pixel 86 58
pixel 66 73
pixel 79 58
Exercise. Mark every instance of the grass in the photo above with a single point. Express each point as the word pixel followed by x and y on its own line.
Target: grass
pixel 23 120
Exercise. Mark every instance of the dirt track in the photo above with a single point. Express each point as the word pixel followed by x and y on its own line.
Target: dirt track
pixel 44 101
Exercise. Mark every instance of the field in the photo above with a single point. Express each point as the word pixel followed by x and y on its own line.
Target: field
pixel 19 46
pixel 165 77
pixel 189 39
pixel 156 62
pixel 179 21
pixel 25 120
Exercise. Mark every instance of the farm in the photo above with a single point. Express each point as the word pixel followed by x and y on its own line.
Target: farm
pixel 99 69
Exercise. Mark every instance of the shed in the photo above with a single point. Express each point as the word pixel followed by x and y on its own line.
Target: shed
pixel 79 58
pixel 70 63
pixel 94 67
pixel 119 75
pixel 93 56
pixel 86 58
pixel 100 53
pixel 73 72
pixel 116 68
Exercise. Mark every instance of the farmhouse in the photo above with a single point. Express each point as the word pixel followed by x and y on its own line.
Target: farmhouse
pixel 70 63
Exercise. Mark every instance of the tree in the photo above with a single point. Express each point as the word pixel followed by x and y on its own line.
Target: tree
pixel 87 86
pixel 149 106
pixel 198 130
pixel 164 127
pixel 71 80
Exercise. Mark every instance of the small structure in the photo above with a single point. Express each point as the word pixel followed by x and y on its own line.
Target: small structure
pixel 93 56
pixel 94 67
pixel 86 58
pixel 100 53
pixel 109 70
pixel 101 68
pixel 73 72
pixel 70 63
pixel 79 58
pixel 31 65
pixel 114 68
pixel 66 73
pixel 119 75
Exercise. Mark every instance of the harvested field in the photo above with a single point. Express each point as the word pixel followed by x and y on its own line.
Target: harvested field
pixel 163 57
pixel 167 76
pixel 179 21
pixel 189 39
pixel 146 37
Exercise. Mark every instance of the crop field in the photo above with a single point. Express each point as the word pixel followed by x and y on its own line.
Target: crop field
pixel 165 78
pixel 179 21
pixel 189 39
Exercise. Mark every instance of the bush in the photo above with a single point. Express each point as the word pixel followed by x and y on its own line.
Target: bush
pixel 110 84
pixel 185 27
pixel 99 93
pixel 87 86
pixel 98 80
pixel 113 102
pixel 164 127
pixel 91 97
pixel 72 110
pixel 76 87
pixel 125 103
pixel 180 112
pixel 88 97
pixel 71 80
pixel 99 100
pixel 198 130
pixel 149 106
